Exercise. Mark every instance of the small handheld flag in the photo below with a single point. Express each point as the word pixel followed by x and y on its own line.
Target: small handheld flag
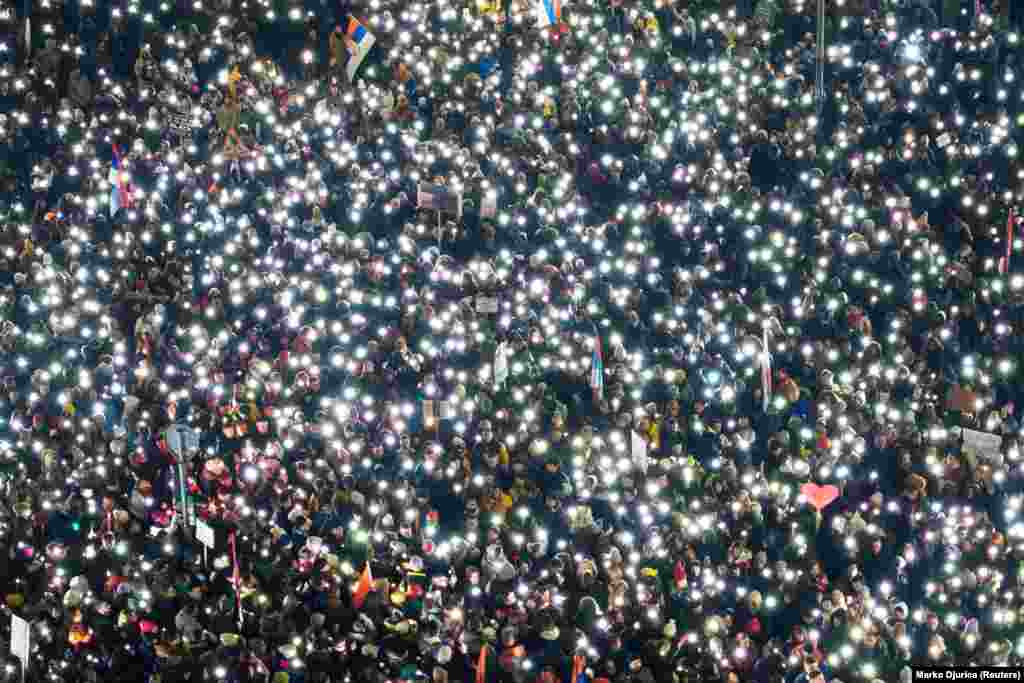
pixel 1004 263
pixel 120 195
pixel 549 12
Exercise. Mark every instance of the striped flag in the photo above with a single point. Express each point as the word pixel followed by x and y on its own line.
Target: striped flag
pixel 597 368
pixel 579 670
pixel 766 373
pixel 359 41
pixel 120 194
pixel 549 12
pixel 1004 263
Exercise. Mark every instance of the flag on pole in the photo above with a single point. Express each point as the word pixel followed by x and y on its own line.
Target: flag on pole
pixel 120 195
pixel 363 588
pixel 1004 263
pixel 766 373
pixel 359 41
pixel 597 368
pixel 549 12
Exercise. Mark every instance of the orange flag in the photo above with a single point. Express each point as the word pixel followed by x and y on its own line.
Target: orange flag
pixel 363 588
pixel 481 665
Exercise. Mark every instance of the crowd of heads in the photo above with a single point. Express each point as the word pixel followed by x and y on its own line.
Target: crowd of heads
pixel 510 342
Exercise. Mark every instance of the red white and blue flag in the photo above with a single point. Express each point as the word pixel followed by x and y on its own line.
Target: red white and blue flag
pixel 120 193
pixel 549 12
pixel 359 42
pixel 597 368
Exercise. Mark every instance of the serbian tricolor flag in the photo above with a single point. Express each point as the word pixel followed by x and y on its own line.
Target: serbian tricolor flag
pixel 120 194
pixel 579 670
pixel 1004 263
pixel 359 41
pixel 597 368
pixel 363 588
pixel 549 12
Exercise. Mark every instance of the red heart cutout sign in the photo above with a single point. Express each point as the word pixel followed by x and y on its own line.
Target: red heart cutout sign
pixel 819 496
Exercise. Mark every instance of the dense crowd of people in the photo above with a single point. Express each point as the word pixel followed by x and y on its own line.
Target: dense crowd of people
pixel 506 341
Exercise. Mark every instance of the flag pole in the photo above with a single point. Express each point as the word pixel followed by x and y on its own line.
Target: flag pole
pixel 819 77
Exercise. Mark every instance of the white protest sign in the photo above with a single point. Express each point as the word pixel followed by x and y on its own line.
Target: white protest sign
pixel 981 444
pixel 205 534
pixel 447 410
